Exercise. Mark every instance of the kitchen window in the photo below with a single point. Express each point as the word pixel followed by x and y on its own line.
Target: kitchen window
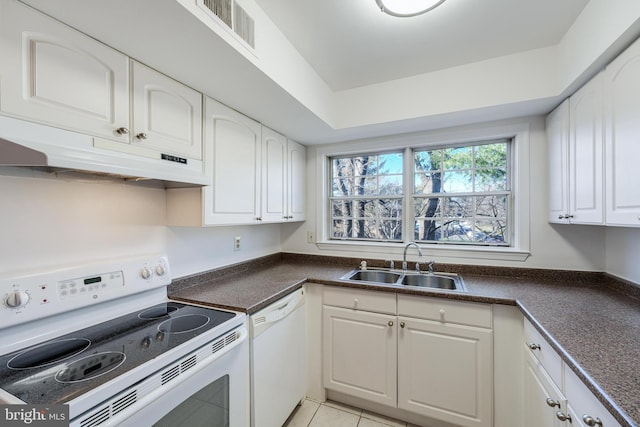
pixel 461 193
pixel 366 197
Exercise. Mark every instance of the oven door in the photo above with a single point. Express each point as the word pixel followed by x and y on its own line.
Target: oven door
pixel 214 393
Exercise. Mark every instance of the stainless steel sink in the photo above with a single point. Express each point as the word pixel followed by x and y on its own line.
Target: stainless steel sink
pixel 447 281
pixel 430 281
pixel 378 276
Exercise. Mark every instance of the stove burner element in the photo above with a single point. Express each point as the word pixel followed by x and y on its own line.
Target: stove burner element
pixel 158 311
pixel 49 353
pixel 182 324
pixel 90 367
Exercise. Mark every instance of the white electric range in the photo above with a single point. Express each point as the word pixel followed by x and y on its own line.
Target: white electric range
pixel 105 340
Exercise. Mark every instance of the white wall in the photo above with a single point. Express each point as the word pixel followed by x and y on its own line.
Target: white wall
pixel 193 250
pixel 557 247
pixel 47 222
pixel 623 252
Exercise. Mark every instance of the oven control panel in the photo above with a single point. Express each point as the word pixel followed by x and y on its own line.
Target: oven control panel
pixel 33 296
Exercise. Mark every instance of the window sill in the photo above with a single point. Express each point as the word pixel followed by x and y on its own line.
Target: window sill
pixel 386 249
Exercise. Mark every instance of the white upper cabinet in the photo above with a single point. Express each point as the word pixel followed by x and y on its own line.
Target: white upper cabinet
pixel 274 176
pixel 283 178
pixel 167 115
pixel 296 181
pixel 234 161
pixel 257 175
pixel 575 141
pixel 558 162
pixel 53 74
pixel 586 197
pixel 622 109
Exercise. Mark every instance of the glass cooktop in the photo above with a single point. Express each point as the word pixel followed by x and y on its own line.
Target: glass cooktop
pixel 59 370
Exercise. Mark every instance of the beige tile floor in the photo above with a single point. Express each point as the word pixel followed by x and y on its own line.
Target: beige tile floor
pixel 334 414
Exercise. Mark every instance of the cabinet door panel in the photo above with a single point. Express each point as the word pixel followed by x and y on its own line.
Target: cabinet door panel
pixel 586 202
pixel 538 388
pixel 622 91
pixel 274 183
pixel 445 371
pixel 558 152
pixel 168 113
pixel 233 158
pixel 53 74
pixel 359 354
pixel 297 180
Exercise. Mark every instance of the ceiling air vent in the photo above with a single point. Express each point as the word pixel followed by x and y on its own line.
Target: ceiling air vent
pixel 234 16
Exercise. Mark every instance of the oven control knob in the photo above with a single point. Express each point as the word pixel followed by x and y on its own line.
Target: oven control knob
pixel 160 270
pixel 17 299
pixel 146 272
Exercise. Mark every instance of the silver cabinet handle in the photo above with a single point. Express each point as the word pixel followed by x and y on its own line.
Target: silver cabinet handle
pixel 122 131
pixel 390 323
pixel 553 403
pixel 562 416
pixel 533 346
pixel 141 135
pixel 588 420
pixel 402 325
pixel 562 216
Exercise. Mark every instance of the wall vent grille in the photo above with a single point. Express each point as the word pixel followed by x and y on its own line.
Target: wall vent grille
pixel 233 16
pixel 220 8
pixel 243 25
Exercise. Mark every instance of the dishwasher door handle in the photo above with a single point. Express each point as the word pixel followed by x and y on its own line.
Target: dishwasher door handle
pixel 276 312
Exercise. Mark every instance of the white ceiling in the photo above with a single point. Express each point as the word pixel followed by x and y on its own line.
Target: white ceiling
pixel 351 43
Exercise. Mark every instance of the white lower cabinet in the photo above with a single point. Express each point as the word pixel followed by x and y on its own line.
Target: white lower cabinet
pixel 542 398
pixel 554 395
pixel 360 354
pixel 427 356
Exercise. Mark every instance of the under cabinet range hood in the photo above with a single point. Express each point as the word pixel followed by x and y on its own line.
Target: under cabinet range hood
pixel 26 144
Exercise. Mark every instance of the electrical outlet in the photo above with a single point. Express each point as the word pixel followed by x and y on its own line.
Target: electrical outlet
pixel 311 237
pixel 236 243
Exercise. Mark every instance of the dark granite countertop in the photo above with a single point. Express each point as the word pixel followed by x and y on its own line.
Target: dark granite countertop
pixel 591 319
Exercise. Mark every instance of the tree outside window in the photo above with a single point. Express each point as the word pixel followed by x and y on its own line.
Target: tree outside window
pixel 366 197
pixel 462 194
pixel 459 195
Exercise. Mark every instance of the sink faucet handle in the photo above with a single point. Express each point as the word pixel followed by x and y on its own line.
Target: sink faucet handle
pixel 430 267
pixel 391 264
pixel 417 267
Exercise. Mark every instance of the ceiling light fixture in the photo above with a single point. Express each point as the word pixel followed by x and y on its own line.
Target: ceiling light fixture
pixel 404 8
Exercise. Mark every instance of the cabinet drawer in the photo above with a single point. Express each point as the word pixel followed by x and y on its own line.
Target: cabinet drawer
pixel 584 403
pixel 442 310
pixel 380 302
pixel 541 349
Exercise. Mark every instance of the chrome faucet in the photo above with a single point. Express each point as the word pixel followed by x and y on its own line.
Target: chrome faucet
pixel 430 267
pixel 404 257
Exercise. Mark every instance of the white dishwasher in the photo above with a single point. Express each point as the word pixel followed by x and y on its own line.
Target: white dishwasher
pixel 278 360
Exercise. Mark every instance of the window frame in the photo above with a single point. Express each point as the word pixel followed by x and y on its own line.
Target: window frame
pixel 332 198
pixel 507 192
pixel 519 157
